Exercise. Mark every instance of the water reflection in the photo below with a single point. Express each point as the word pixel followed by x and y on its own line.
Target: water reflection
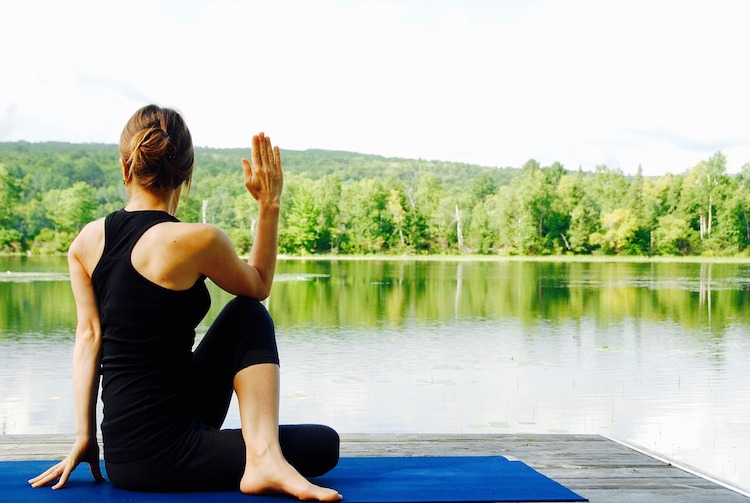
pixel 651 352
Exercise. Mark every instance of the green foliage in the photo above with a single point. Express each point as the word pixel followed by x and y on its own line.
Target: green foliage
pixel 350 203
pixel 10 192
pixel 618 228
pixel 71 208
pixel 10 240
pixel 673 236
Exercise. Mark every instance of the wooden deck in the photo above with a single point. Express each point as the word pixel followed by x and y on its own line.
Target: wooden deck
pixel 602 470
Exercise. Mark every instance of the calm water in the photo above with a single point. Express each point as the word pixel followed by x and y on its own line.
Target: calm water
pixel 654 353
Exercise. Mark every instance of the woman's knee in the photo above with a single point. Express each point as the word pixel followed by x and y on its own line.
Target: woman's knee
pixel 313 449
pixel 254 329
pixel 247 315
pixel 246 307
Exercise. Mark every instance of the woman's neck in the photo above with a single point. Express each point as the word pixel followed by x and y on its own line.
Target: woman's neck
pixel 141 199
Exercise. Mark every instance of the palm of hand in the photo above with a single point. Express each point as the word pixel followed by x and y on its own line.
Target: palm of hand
pixel 263 177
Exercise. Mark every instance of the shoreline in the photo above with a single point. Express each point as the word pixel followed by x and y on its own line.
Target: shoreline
pixel 691 259
pixel 694 259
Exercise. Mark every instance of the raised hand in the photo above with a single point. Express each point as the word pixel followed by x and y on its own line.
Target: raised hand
pixel 264 178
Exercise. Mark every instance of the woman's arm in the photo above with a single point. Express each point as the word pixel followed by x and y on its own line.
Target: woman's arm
pixel 218 258
pixel 86 361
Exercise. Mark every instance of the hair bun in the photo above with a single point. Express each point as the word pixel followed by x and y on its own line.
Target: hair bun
pixel 157 148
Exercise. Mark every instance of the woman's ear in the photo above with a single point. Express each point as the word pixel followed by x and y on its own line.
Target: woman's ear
pixel 125 171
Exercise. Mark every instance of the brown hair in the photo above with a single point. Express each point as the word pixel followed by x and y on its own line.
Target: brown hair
pixel 157 148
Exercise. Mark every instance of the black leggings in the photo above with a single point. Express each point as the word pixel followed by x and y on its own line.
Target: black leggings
pixel 213 459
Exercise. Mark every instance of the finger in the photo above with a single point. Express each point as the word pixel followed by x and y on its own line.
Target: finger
pixel 265 142
pixel 256 150
pixel 277 157
pixel 247 167
pixel 33 480
pixel 63 480
pixel 45 477
pixel 41 482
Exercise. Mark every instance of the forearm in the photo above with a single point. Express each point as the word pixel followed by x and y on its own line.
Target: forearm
pixel 265 245
pixel 86 382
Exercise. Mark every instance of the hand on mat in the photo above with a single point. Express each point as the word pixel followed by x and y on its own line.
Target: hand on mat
pixel 84 450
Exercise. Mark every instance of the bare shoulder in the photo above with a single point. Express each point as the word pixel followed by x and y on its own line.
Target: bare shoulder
pixel 195 236
pixel 190 245
pixel 88 246
pixel 92 233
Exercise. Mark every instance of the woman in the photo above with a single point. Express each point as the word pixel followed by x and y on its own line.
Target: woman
pixel 138 281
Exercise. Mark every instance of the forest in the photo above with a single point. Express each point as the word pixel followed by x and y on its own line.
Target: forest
pixel 345 203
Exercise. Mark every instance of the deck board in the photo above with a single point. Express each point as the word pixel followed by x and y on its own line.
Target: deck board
pixel 598 468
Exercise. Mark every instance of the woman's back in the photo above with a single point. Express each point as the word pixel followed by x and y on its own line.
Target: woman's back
pixel 147 336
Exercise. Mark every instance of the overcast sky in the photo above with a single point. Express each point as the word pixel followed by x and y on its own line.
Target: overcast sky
pixel 661 84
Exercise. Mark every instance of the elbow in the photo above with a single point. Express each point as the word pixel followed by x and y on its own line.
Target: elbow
pixel 260 288
pixel 263 293
pixel 88 334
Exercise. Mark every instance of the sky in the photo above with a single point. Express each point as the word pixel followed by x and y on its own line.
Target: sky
pixel 656 84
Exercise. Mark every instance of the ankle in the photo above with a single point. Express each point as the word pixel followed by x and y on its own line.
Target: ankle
pixel 260 449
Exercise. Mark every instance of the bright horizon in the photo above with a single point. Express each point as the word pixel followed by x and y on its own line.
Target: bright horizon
pixel 660 84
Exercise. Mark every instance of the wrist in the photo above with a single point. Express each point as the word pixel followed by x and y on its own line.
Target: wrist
pixel 86 434
pixel 270 204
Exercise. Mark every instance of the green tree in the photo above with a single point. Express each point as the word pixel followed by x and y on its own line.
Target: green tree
pixel 10 195
pixel 533 195
pixel 70 209
pixel 618 228
pixel 486 225
pixel 584 223
pixel 743 202
pixel 607 188
pixel 329 220
pixel 672 236
pixel 579 211
pixel 702 186
pixel 11 239
pixel 640 242
pixel 728 234
pixel 483 186
pixel 428 194
pixel 298 233
pixel 366 225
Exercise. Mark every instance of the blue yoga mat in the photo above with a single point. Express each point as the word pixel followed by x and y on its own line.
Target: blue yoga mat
pixel 361 480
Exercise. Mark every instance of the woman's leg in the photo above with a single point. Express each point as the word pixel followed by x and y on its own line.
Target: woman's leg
pixel 266 469
pixel 241 335
pixel 217 461
pixel 239 351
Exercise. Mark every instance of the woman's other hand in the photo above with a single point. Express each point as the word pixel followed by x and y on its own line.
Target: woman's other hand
pixel 83 451
pixel 263 177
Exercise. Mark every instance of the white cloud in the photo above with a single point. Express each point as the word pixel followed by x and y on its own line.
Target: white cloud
pixel 661 83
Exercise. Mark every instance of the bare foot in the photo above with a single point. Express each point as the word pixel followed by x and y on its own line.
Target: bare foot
pixel 271 473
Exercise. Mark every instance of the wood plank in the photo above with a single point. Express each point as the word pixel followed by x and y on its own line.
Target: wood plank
pixel 593 466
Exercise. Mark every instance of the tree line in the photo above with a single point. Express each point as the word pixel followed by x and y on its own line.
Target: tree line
pixel 349 203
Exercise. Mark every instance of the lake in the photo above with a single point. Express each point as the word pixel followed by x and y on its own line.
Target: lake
pixel 655 353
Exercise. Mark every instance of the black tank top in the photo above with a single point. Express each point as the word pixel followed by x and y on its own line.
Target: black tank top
pixel 147 338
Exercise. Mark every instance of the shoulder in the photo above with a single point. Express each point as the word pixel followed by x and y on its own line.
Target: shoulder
pixel 91 232
pixel 190 242
pixel 88 246
pixel 194 235
pixel 206 244
pixel 91 236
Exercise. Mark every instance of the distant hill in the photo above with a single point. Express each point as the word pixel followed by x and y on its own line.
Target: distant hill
pixel 59 165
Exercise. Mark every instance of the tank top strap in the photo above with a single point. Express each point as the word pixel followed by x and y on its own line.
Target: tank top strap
pixel 123 229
